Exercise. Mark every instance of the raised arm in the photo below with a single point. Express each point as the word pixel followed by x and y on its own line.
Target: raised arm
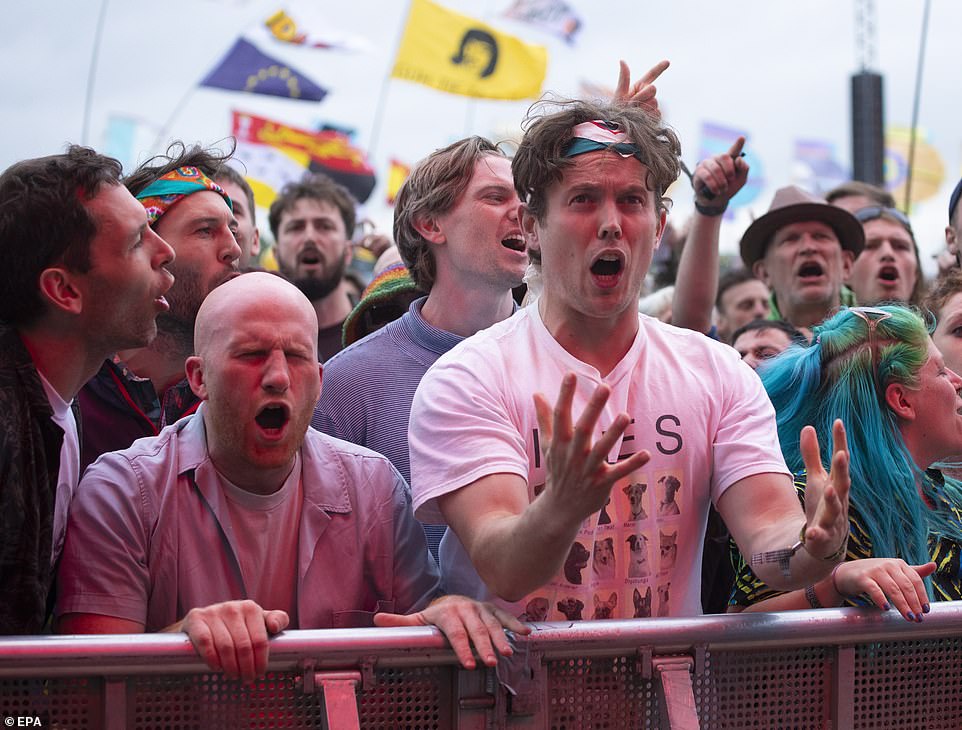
pixel 716 181
pixel 643 92
pixel 494 520
pixel 767 521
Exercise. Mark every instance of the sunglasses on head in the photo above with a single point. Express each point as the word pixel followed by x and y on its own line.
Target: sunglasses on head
pixel 877 211
pixel 872 316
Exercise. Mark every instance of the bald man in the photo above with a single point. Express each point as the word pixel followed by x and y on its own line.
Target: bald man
pixel 192 530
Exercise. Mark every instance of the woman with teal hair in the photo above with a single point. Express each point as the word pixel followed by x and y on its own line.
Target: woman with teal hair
pixel 878 371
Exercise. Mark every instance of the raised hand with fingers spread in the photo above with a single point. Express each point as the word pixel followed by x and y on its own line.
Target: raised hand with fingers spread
pixel 579 476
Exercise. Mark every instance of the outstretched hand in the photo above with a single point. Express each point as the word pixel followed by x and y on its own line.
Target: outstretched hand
pixel 885 580
pixel 578 475
pixel 465 623
pixel 718 179
pixel 826 494
pixel 233 636
pixel 643 92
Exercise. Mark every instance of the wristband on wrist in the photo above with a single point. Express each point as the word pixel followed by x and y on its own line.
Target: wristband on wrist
pixel 710 210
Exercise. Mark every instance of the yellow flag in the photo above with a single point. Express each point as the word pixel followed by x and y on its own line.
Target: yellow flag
pixel 461 55
pixel 929 172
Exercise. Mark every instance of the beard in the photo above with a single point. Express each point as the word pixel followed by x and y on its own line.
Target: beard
pixel 318 287
pixel 185 297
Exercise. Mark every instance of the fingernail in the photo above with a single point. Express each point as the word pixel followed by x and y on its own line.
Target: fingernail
pixel 886 606
pixel 926 608
pixel 910 616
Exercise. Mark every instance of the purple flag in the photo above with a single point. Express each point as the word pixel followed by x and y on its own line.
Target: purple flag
pixel 245 68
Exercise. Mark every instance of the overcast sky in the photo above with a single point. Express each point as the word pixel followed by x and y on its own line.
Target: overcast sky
pixel 779 70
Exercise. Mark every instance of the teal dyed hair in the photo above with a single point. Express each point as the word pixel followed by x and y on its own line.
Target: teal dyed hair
pixel 833 378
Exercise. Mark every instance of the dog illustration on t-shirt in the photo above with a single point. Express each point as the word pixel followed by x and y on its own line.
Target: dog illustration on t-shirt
pixel 576 561
pixel 635 493
pixel 669 549
pixel 638 556
pixel 605 609
pixel 603 560
pixel 642 603
pixel 668 506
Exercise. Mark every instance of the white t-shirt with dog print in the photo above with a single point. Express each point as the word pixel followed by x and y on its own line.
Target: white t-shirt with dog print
pixel 699 410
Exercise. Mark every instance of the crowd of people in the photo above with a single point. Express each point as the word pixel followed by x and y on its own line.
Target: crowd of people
pixel 501 436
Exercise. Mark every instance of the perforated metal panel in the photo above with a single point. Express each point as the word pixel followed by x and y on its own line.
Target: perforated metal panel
pixel 70 704
pixel 410 698
pixel 909 684
pixel 599 693
pixel 772 689
pixel 199 702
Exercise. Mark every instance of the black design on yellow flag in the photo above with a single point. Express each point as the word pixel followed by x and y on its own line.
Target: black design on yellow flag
pixel 460 55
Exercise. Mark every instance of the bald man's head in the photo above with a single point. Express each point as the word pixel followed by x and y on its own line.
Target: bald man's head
pixel 233 299
pixel 256 369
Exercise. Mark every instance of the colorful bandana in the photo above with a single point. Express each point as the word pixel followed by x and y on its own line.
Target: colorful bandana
pixel 162 193
pixel 600 135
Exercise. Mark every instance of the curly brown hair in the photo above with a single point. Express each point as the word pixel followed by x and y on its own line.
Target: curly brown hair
pixel 540 161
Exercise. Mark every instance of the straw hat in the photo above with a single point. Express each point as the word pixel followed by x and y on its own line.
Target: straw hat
pixel 793 205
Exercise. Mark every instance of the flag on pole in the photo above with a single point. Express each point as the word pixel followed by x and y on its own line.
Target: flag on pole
pixel 929 172
pixel 246 68
pixel 283 27
pixel 816 168
pixel 287 152
pixel 396 175
pixel 460 55
pixel 555 16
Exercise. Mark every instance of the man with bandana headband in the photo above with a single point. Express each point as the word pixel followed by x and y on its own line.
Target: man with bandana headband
pixel 312 222
pixel 602 497
pixel 139 392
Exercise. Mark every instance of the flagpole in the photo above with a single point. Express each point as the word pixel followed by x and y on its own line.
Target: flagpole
pixel 167 125
pixel 92 74
pixel 915 107
pixel 378 119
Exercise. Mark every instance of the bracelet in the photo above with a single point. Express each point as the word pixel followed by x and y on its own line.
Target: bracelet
pixel 710 211
pixel 812 597
pixel 834 584
pixel 838 554
pixel 834 557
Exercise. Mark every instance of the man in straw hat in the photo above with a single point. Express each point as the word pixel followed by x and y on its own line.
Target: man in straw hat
pixel 803 249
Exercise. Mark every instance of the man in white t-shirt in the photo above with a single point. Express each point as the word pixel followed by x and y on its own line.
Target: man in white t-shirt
pixel 239 520
pixel 596 508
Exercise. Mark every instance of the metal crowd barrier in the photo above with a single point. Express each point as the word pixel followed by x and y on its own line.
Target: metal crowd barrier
pixel 832 668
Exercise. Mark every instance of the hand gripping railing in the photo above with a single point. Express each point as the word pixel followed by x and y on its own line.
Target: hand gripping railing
pixel 715 671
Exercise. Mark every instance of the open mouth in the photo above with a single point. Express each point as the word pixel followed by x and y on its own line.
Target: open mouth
pixel 607 265
pixel 889 274
pixel 810 269
pixel 311 257
pixel 272 418
pixel 515 243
